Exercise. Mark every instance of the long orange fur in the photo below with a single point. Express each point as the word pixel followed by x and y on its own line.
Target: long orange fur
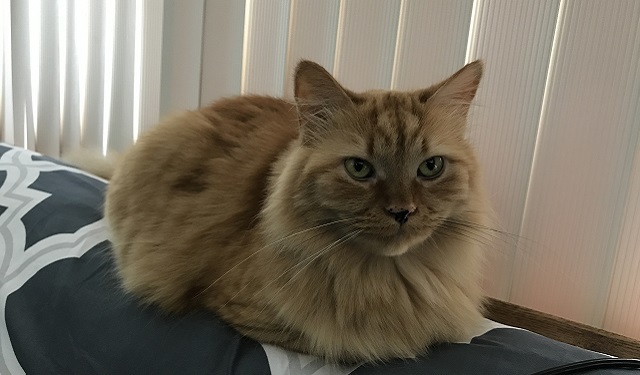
pixel 244 207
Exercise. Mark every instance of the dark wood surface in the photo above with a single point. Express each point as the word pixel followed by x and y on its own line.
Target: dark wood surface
pixel 563 330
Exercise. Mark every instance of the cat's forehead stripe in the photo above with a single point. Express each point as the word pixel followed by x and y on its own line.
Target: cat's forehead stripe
pixel 393 123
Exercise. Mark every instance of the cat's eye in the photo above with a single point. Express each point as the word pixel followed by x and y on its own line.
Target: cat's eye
pixel 431 168
pixel 358 169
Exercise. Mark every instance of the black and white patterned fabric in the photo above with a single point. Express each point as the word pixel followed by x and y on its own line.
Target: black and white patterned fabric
pixel 62 312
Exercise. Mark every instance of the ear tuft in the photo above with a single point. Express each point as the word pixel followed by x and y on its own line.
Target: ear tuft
pixel 314 85
pixel 318 97
pixel 461 87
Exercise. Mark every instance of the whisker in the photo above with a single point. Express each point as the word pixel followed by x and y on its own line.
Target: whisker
pixel 489 237
pixel 246 285
pixel 485 235
pixel 314 256
pixel 271 244
pixel 474 238
pixel 483 227
pixel 309 260
pixel 521 243
pixel 324 251
pixel 495 230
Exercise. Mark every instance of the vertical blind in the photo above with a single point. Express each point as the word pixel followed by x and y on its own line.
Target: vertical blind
pixel 556 121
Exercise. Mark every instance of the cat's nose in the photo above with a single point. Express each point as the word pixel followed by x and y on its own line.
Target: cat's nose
pixel 401 214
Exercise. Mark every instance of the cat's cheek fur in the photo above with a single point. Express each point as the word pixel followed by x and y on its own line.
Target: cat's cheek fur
pixel 342 195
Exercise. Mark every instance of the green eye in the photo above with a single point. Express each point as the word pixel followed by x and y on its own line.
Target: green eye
pixel 358 169
pixel 431 168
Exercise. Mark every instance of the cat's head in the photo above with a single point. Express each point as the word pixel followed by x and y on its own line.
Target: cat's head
pixel 389 168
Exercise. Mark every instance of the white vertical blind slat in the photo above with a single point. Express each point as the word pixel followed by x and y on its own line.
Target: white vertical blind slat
pixel 582 163
pixel 48 111
pixel 71 110
pixel 182 35
pixel 312 36
pixel 623 306
pixel 432 41
pixel 150 65
pixel 121 111
pixel 6 87
pixel 515 41
pixel 365 54
pixel 23 125
pixel 265 46
pixel 222 49
pixel 92 122
pixel 3 75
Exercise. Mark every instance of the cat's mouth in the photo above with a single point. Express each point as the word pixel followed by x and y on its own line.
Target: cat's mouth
pixel 397 232
pixel 395 241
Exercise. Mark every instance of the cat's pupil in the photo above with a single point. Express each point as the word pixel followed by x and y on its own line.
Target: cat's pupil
pixel 358 165
pixel 431 164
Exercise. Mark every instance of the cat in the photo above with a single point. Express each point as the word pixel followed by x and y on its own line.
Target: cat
pixel 333 225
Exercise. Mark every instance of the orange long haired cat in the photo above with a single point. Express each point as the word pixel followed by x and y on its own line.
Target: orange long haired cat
pixel 333 226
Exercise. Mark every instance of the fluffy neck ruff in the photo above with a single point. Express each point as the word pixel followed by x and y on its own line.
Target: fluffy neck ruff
pixel 346 299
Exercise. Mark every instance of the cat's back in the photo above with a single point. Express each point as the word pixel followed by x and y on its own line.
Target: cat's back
pixel 196 180
pixel 214 154
pixel 239 127
pixel 259 124
pixel 243 133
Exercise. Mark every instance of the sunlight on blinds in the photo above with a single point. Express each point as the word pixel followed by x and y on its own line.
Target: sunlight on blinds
pixel 108 52
pixel 79 72
pixel 6 97
pixel 34 22
pixel 137 66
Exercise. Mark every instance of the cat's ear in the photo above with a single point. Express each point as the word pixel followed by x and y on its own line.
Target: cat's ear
pixel 313 84
pixel 458 90
pixel 318 96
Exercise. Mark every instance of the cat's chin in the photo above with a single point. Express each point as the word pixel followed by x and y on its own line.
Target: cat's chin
pixel 394 246
pixel 401 247
pixel 395 251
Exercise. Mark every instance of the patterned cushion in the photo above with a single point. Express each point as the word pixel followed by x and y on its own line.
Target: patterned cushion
pixel 62 311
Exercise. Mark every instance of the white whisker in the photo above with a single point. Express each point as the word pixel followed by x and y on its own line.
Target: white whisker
pixel 308 260
pixel 269 245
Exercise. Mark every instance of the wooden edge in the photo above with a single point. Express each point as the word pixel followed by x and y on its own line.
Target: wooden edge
pixel 561 329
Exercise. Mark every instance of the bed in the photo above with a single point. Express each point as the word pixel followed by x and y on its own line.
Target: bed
pixel 62 311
